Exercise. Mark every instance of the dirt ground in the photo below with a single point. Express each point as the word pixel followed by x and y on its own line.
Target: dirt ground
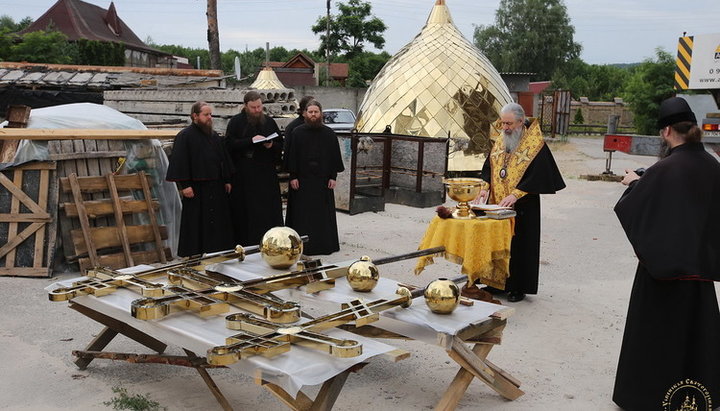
pixel 562 344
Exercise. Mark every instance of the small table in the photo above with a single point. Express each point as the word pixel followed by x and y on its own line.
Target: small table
pixel 481 246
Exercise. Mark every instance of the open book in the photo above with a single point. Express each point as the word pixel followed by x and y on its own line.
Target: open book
pixel 266 139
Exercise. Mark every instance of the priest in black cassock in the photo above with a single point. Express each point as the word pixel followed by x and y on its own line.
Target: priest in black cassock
pixel 671 345
pixel 518 169
pixel 201 167
pixel 255 199
pixel 286 151
pixel 314 161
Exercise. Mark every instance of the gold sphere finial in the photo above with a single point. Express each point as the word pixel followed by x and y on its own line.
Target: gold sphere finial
pixel 442 296
pixel 363 275
pixel 281 247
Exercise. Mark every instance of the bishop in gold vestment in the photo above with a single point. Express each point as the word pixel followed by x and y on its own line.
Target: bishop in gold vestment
pixel 519 168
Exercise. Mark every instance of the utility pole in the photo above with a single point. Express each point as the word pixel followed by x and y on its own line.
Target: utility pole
pixel 327 47
pixel 213 36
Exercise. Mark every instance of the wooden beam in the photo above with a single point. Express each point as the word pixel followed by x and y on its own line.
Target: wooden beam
pixel 23 272
pixel 87 241
pixel 153 218
pixel 157 71
pixel 102 208
pixel 105 237
pixel 119 220
pixel 96 154
pixel 90 184
pixel 83 134
pixel 301 403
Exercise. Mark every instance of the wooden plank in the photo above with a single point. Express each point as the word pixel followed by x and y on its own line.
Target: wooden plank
pixel 116 326
pixel 97 344
pixel 301 403
pixel 40 234
pixel 87 242
pixel 118 260
pixel 397 355
pixel 8 148
pixel 53 225
pixel 97 154
pixel 329 392
pixel 153 218
pixel 224 403
pixel 67 224
pixel 91 184
pixel 23 272
pixel 24 218
pixel 105 237
pixel 119 222
pixel 84 134
pixel 14 187
pixel 45 165
pixel 105 207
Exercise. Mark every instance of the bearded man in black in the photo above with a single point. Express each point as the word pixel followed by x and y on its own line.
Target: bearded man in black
pixel 202 169
pixel 255 199
pixel 314 161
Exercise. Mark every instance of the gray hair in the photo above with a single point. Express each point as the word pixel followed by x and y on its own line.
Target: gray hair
pixel 514 108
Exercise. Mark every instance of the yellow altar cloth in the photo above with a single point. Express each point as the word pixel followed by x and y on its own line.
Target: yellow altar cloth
pixel 481 246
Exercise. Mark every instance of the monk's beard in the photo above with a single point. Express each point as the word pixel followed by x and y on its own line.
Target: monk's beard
pixel 664 149
pixel 206 128
pixel 512 139
pixel 314 123
pixel 256 119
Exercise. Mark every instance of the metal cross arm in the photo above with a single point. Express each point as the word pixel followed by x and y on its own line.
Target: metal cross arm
pixel 194 291
pixel 257 334
pixel 104 281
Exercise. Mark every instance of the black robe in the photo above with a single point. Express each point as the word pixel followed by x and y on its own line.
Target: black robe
pixel 314 160
pixel 286 160
pixel 255 199
pixel 201 162
pixel 542 176
pixel 299 120
pixel 672 331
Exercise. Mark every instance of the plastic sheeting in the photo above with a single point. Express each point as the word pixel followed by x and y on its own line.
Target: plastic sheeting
pixel 299 367
pixel 142 155
pixel 417 321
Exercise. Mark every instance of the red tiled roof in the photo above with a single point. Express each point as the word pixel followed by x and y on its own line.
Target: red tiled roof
pixel 80 20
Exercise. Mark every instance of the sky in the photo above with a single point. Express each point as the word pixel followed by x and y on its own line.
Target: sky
pixel 610 31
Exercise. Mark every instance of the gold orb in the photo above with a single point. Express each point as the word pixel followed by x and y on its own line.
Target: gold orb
pixel 463 190
pixel 281 247
pixel 442 296
pixel 363 275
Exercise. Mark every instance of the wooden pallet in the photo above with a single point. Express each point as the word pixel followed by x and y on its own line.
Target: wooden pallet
pixel 28 219
pixel 119 243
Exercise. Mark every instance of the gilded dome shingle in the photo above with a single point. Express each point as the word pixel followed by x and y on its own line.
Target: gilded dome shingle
pixel 438 85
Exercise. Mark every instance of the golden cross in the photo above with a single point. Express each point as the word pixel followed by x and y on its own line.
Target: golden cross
pixel 260 337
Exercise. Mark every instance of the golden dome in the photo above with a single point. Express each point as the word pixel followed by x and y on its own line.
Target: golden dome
pixel 439 84
pixel 267 80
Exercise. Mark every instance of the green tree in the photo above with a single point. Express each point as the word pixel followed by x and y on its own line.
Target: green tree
pixel 8 24
pixel 596 82
pixel 650 83
pixel 350 30
pixel 44 46
pixel 529 36
pixel 364 67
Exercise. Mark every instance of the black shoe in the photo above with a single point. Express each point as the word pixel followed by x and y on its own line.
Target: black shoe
pixel 515 296
pixel 493 290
